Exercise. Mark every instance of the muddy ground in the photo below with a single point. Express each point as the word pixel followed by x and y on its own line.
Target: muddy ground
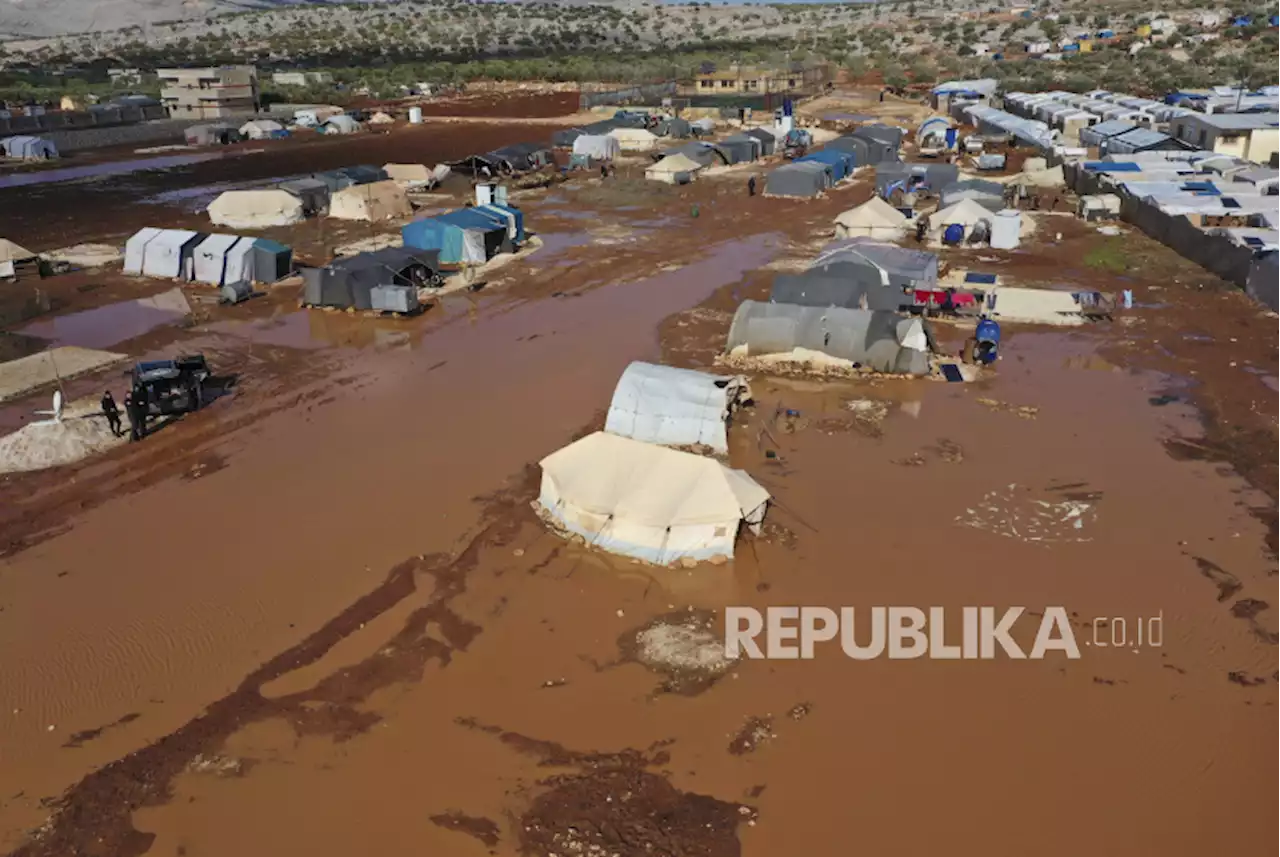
pixel 320 616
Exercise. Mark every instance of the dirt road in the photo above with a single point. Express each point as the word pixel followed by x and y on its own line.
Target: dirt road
pixel 320 616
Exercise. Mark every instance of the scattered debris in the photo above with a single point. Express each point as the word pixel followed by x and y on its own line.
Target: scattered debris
pixel 221 766
pixel 1027 412
pixel 1015 513
pixel 480 828
pixel 756 731
pixel 684 646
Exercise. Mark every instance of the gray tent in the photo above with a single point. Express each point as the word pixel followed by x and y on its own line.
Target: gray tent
pixel 674 127
pixel 703 153
pixel 987 194
pixel 831 288
pixel 880 149
pixel 809 178
pixel 879 341
pixel 741 147
pixel 349 282
pixel 768 142
pixel 884 133
pixel 860 147
pixel 935 176
pixel 862 259
pixel 314 194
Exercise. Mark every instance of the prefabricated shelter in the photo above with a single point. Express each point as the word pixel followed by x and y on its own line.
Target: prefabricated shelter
pixel 257 260
pixel 601 147
pixel 647 502
pixel 868 260
pixel 349 282
pixel 409 175
pixel 966 214
pixel 842 164
pixel 464 236
pixel 675 407
pixel 875 218
pixel 634 139
pixel 27 148
pixel 312 193
pixel 210 134
pixel 768 141
pixel 256 209
pixel 797 178
pixel 673 169
pixel 1143 140
pixel 340 124
pixel 1096 136
pixel 985 193
pixel 854 338
pixel 833 287
pixel 262 129
pixel 162 253
pixel 372 202
pixel 210 258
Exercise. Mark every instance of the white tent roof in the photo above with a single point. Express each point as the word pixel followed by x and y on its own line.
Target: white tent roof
pixel 666 405
pixel 210 258
pixel 677 163
pixel 254 209
pixel 875 213
pixel 265 126
pixel 10 252
pixel 648 501
pixel 135 249
pixel 600 146
pixel 408 173
pixel 639 134
pixel 966 212
pixel 163 254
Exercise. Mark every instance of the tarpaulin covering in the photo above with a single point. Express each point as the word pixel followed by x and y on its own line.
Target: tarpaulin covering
pixel 313 193
pixel 677 407
pixel 349 282
pixel 879 341
pixel 601 147
pixel 648 502
pixel 463 236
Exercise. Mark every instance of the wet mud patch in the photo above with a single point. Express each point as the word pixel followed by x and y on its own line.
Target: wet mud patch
pixel 1228 584
pixel 630 812
pixel 476 827
pixel 684 647
pixel 754 733
pixel 79 739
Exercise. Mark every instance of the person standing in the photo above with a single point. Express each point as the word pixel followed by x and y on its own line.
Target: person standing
pixel 112 412
pixel 751 186
pixel 134 409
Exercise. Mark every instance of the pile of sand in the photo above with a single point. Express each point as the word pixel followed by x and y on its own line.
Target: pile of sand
pixel 82 432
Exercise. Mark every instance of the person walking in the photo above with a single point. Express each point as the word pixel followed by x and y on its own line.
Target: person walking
pixel 751 186
pixel 133 408
pixel 604 171
pixel 112 412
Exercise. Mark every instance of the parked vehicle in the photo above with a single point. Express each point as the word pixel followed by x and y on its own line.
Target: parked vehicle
pixel 171 386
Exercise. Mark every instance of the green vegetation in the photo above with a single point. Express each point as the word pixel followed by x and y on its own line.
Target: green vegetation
pixel 1110 256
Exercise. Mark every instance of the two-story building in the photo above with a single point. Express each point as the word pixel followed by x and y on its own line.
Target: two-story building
pixel 757 80
pixel 209 93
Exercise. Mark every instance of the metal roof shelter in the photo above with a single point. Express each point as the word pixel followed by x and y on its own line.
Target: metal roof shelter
pixel 821 288
pixel 1141 140
pixel 1096 135
pixel 899 266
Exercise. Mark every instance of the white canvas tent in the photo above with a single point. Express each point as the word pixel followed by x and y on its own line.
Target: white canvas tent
pixel 634 139
pixel 602 147
pixel 675 407
pixel 966 213
pixel 875 218
pixel 383 200
pixel 672 168
pixel 135 249
pixel 409 175
pixel 255 209
pixel 211 258
pixel 260 129
pixel 170 254
pixel 340 124
pixel 648 502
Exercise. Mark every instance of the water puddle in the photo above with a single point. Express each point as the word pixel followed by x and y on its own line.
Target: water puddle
pixel 311 329
pixel 568 214
pixel 1263 375
pixel 108 325
pixel 555 243
pixel 113 168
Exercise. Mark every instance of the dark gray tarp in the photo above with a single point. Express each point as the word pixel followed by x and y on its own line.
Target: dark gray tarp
pixel 314 194
pixel 904 267
pixel 768 142
pixel 987 194
pixel 564 138
pixel 860 147
pixel 740 147
pixel 344 177
pixel 883 133
pixel 820 288
pixel 936 176
pixel 882 148
pixel 349 282
pixel 674 127
pixel 521 156
pixel 798 179
pixel 870 340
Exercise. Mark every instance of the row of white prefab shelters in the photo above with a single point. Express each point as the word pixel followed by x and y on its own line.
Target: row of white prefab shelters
pixel 219 260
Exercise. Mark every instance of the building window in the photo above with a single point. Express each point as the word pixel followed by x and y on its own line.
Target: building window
pixel 726 84
pixel 705 84
pixel 791 84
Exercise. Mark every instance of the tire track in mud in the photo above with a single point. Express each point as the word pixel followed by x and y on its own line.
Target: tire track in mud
pixel 94 817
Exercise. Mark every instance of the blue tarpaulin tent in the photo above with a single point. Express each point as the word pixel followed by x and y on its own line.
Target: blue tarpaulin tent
pixel 467 235
pixel 841 162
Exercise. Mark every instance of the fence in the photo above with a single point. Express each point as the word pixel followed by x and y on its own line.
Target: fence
pixel 649 93
pixel 61 120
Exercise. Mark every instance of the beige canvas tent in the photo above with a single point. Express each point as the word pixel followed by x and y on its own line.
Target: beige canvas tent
pixel 965 213
pixel 648 502
pixel 381 118
pixel 409 175
pixel 673 169
pixel 634 139
pixel 256 209
pixel 875 218
pixel 12 255
pixel 383 200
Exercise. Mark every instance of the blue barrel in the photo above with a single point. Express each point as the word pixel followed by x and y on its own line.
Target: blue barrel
pixel 951 138
pixel 953 234
pixel 988 331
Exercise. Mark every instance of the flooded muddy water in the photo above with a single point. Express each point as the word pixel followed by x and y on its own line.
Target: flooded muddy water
pixel 103 326
pixel 114 168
